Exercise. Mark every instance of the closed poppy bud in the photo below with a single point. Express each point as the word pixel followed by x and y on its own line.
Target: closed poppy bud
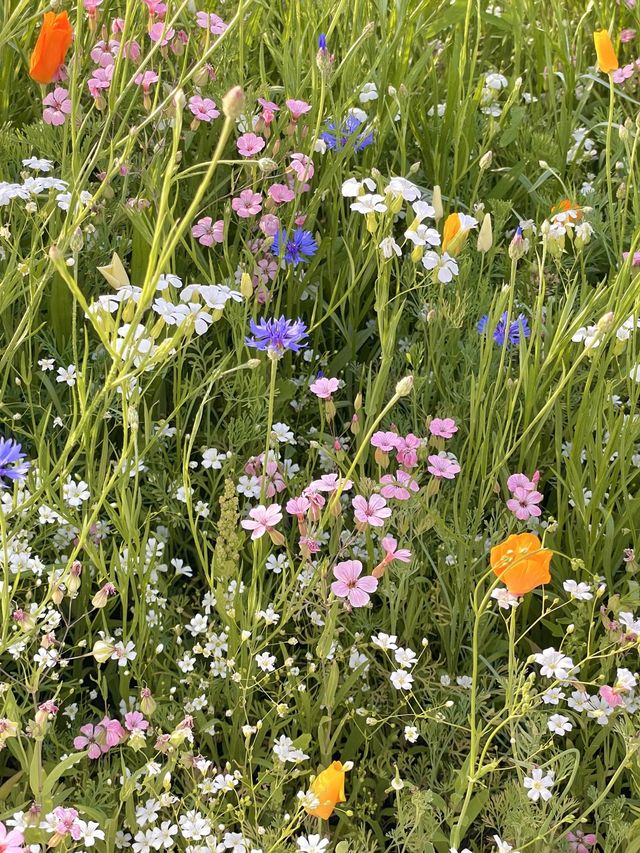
pixel 454 234
pixel 328 786
pixel 521 562
pixel 51 47
pixel 485 237
pixel 607 59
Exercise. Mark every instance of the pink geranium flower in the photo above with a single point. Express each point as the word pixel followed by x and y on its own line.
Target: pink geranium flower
pixel 204 109
pixel 398 485
pixel 213 23
pixel 57 106
pixel 385 441
pixel 269 225
pixel 297 108
pixel 146 79
pixel 442 467
pixel 324 387
pixel 350 585
pixel 635 260
pixel 298 507
pixel 330 483
pixel 392 552
pixel 247 204
pixel 262 519
pixel 114 732
pixel 134 721
pixel 579 841
pixel 407 450
pixel 93 739
pixel 524 504
pixel 443 427
pixel 521 481
pixel 627 35
pixel 159 32
pixel 100 80
pixel 372 512
pixel 11 842
pixel 280 193
pixel 269 109
pixel 104 53
pixel 302 166
pixel 66 822
pixel 207 232
pixel 249 144
pixel 610 696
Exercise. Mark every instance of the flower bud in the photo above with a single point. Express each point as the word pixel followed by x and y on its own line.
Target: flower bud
pixel 102 651
pixel 233 102
pixel 404 386
pixel 485 235
pixel 437 203
pixel 485 160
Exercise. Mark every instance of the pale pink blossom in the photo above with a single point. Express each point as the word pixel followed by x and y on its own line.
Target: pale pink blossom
pixel 57 106
pixel 398 485
pixel 114 732
pixel 249 144
pixel 269 225
pixel 247 204
pixel 443 427
pixel 262 519
pixel 134 721
pixel 93 739
pixel 392 552
pixel 610 696
pixel 213 23
pixel 281 194
pixel 385 441
pixel 269 109
pixel 204 109
pixel 302 166
pixel 11 842
pixel 146 79
pixel 324 387
pixel 297 108
pixel 350 585
pixel 331 483
pixel 524 504
pixel 372 512
pixel 159 32
pixel 442 467
pixel 298 507
pixel 207 232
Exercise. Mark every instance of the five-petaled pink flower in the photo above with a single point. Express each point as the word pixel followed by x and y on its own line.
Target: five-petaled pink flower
pixel 372 512
pixel 580 841
pixel 134 721
pixel 114 732
pixel 392 552
pixel 263 519
pixel 442 467
pixel 160 32
pixel 280 193
pixel 250 144
pixel 297 108
pixel 398 485
pixel 385 441
pixel 146 79
pixel 443 427
pixel 211 22
pixel 247 204
pixel 207 232
pixel 269 109
pixel 204 109
pixel 298 507
pixel 524 503
pixel 407 450
pixel 324 387
pixel 93 739
pixel 350 585
pixel 57 106
pixel 11 842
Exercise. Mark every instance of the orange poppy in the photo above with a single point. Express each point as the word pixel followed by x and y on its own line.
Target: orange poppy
pixel 607 59
pixel 51 47
pixel 568 206
pixel 521 562
pixel 328 786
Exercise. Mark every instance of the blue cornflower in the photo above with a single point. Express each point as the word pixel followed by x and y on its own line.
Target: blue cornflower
pixel 276 336
pixel 514 332
pixel 11 464
pixel 322 41
pixel 337 139
pixel 300 246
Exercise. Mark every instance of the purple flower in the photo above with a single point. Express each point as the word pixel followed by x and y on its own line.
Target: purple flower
pixel 11 464
pixel 276 336
pixel 338 138
pixel 298 247
pixel 512 332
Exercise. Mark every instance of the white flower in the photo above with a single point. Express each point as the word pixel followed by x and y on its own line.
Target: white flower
pixel 405 657
pixel 579 591
pixel 403 187
pixel 552 696
pixel 634 373
pixel 503 846
pixel 579 701
pixel 421 235
pixel 411 734
pixel 423 210
pixel 74 494
pixel 504 598
pixel 385 641
pixel 559 725
pixel 283 433
pixel 388 247
pixel 212 458
pixel 444 266
pixel 539 785
pixel 401 679
pixel 67 374
pixel 123 653
pixel 285 751
pixel 599 710
pixel 625 679
pixel 369 203
pixel 38 165
pixel 496 81
pixel 168 279
pixel 554 664
pixel 90 831
pixel 312 844
pixel 629 621
pixel 352 187
pixel 266 662
pixel 369 93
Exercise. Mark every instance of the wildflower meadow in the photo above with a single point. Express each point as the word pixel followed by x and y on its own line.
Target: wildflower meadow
pixel 320 426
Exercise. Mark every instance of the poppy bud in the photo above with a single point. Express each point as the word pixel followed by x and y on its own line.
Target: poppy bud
pixel 328 787
pixel 51 47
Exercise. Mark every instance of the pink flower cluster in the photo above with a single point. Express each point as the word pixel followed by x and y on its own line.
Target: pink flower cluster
pixel 100 738
pixel 524 496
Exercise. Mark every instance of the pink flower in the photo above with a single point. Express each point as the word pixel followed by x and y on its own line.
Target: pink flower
pixel 269 109
pixel 635 260
pixel 57 106
pixel 610 696
pixel 10 842
pixel 398 485
pixel 146 79
pixel 302 167
pixel 104 53
pixel 100 80
pixel 521 481
pixel 298 507
pixel 207 232
pixel 117 25
pixel 443 427
pixel 94 739
pixel 443 467
pixel 407 450
pixel 316 501
pixel 156 7
pixel 330 483
pixel 114 732
pixel 247 204
pixel 131 50
pixel 269 225
pixel 350 585
pixel 324 387
pixel 621 75
pixel 280 193
pixel 373 511
pixel 627 35
pixel 274 479
pixel 213 23
pixel 204 109
pixel 67 822
pixel 385 441
pixel 524 504
pixel 262 520
pixel 161 33
pixel 297 108
pixel 134 721
pixel 249 144
pixel 392 552
pixel 91 6
pixel 579 841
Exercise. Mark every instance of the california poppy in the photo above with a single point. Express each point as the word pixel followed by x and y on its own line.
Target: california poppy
pixel 328 786
pixel 607 59
pixel 456 228
pixel 521 562
pixel 51 47
pixel 573 211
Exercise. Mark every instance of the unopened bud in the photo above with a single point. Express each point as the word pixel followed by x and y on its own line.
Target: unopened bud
pixel 485 235
pixel 437 203
pixel 233 102
pixel 486 159
pixel 404 386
